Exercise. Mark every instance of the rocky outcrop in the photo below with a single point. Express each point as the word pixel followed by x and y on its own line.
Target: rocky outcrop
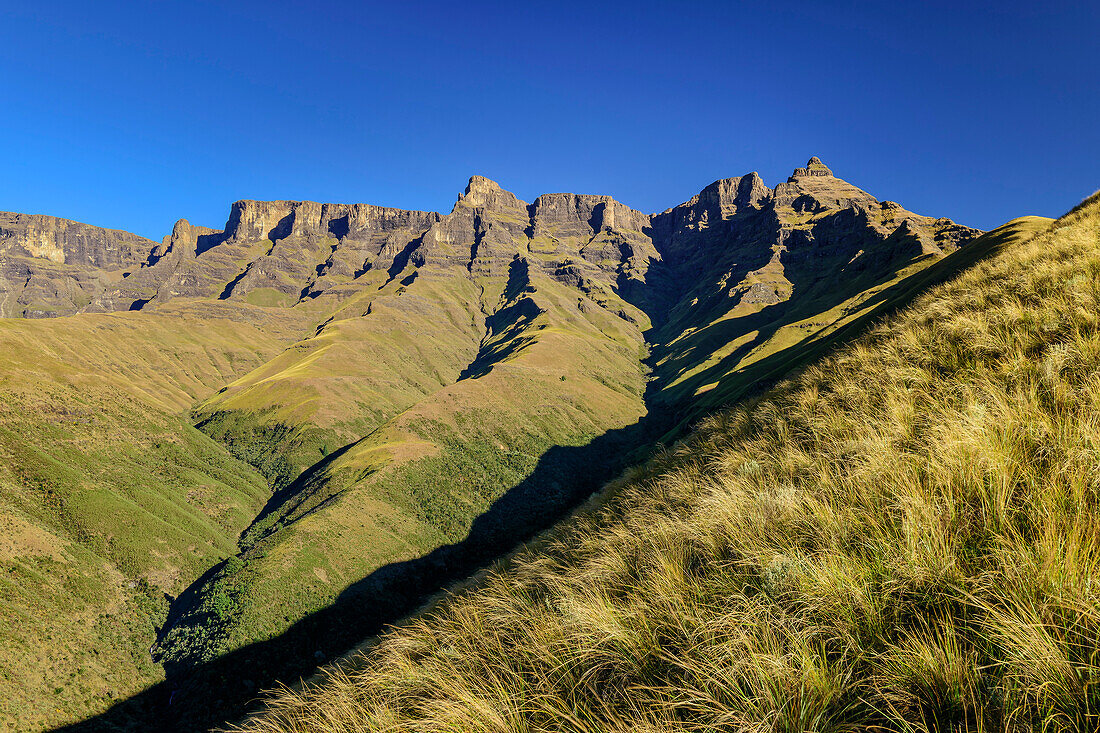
pixel 56 267
pixel 561 216
pixel 739 248
pixel 485 230
pixel 721 200
pixel 188 241
pixel 487 194
pixel 316 247
pixel 65 242
pixel 573 236
pixel 253 221
pixel 682 230
pixel 814 168
pixel 814 189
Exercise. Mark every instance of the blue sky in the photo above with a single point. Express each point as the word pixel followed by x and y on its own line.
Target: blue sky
pixel 132 115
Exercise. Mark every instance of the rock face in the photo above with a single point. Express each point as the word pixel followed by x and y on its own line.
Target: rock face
pixel 65 242
pixel 55 267
pixel 284 252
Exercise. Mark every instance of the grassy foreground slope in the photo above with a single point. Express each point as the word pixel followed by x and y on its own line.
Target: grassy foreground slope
pixel 494 383
pixel 109 499
pixel 737 359
pixel 903 537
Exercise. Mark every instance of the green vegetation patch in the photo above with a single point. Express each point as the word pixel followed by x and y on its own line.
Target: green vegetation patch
pixel 269 298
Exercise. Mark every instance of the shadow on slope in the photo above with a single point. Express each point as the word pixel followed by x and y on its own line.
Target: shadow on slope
pixel 732 386
pixel 216 692
pixel 823 274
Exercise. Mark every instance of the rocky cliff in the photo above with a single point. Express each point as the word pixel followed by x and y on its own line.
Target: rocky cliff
pixel 280 253
pixel 53 267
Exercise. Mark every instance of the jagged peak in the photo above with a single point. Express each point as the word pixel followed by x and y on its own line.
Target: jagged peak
pixel 727 195
pixel 814 167
pixel 481 184
pixel 185 235
pixel 485 192
pixel 746 190
pixel 184 228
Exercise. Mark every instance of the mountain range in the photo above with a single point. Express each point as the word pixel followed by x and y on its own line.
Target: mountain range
pixel 233 455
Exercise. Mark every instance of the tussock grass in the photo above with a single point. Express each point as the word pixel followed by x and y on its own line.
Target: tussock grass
pixel 903 537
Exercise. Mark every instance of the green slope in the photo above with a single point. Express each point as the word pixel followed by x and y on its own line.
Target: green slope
pixel 722 359
pixel 109 499
pixel 558 378
pixel 380 352
pixel 902 537
pixel 451 426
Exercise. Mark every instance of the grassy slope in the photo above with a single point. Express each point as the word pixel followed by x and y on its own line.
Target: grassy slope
pixel 716 348
pixel 109 499
pixel 556 376
pixel 508 447
pixel 381 351
pixel 904 536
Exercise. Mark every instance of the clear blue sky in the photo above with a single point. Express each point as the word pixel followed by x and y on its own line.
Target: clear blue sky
pixel 132 115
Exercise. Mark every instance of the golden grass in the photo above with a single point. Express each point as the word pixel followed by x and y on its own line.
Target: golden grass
pixel 903 537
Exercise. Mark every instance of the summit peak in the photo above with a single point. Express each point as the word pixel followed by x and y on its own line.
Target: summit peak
pixel 481 184
pixel 814 167
pixel 485 192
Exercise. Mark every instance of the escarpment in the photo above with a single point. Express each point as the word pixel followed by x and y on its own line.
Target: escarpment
pixel 55 267
pixel 280 253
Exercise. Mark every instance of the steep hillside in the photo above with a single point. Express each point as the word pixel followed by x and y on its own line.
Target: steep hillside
pixel 418 481
pixel 783 268
pixel 109 498
pixel 420 317
pixel 406 396
pixel 902 537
